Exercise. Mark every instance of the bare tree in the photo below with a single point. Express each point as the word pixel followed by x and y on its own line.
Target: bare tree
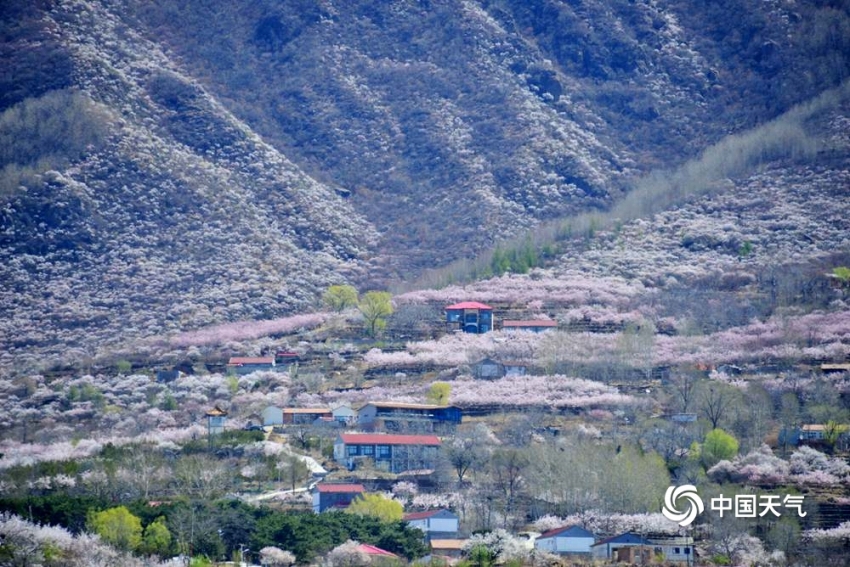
pixel 146 468
pixel 684 387
pixel 468 451
pixel 668 439
pixel 507 467
pixel 292 469
pixel 715 402
pixel 635 344
pixel 201 477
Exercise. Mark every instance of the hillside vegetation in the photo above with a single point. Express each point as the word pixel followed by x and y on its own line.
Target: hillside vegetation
pixel 166 167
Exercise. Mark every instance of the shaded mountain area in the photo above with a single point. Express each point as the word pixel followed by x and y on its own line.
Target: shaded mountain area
pixel 524 110
pixel 167 166
pixel 150 207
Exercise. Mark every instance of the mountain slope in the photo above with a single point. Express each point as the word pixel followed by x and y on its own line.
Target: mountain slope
pixel 173 166
pixel 162 224
pixel 528 110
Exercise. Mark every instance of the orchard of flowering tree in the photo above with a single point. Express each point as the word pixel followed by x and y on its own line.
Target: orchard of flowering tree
pixel 705 345
pixel 627 396
pixel 190 191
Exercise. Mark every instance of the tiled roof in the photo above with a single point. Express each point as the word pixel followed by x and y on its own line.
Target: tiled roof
pixel 469 305
pixel 340 488
pixel 575 531
pixel 384 439
pixel 306 410
pixel 372 550
pixel 422 515
pixel 447 543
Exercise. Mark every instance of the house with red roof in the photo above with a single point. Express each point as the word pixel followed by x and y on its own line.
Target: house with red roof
pixel 392 453
pixel 566 540
pixel 374 552
pixel 469 317
pixel 438 523
pixel 335 496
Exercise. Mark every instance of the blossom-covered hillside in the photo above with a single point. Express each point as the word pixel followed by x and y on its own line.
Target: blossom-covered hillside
pixel 165 167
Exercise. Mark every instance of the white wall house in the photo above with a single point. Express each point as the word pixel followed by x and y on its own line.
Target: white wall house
pixel 433 521
pixel 272 416
pixel 629 547
pixel 344 414
pixel 568 539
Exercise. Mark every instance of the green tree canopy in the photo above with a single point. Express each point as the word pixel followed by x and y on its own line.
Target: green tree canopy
pixel 377 505
pixel 718 446
pixel 340 297
pixel 842 273
pixel 375 306
pixel 118 527
pixel 156 538
pixel 439 393
pixel 308 535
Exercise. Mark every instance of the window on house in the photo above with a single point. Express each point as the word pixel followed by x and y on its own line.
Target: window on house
pixel 677 550
pixel 383 451
pixel 353 450
pixel 368 449
pixel 687 551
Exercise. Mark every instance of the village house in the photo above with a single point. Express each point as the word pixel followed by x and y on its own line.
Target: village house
pixel 812 432
pixel 491 369
pixel 397 416
pixel 816 434
pixel 633 548
pixel 835 368
pixel 440 524
pixel 532 326
pixel 293 416
pixel 327 496
pixel 566 540
pixel 344 414
pixel 446 548
pixel 167 376
pixel 242 365
pixel 216 420
pixel 488 369
pixel 378 556
pixel 392 453
pixel 284 358
pixel 469 317
pixel 514 368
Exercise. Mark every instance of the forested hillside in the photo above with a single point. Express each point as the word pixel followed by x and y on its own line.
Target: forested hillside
pixel 166 166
